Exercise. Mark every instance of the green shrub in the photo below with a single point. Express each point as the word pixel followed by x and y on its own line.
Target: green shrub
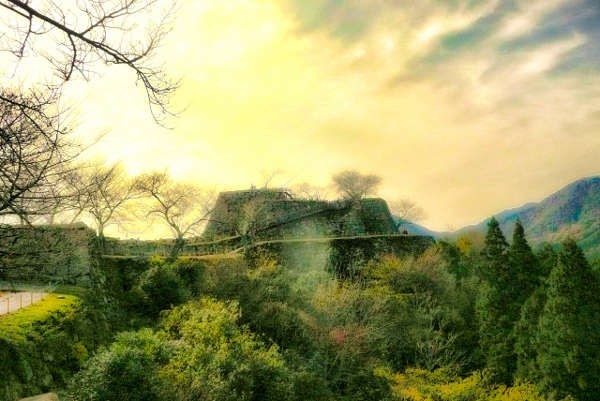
pixel 160 288
pixel 41 346
pixel 218 360
pixel 191 273
pixel 441 385
pixel 127 370
pixel 200 352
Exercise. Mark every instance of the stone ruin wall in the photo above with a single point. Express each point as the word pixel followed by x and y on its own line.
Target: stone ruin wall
pixel 282 217
pixel 46 254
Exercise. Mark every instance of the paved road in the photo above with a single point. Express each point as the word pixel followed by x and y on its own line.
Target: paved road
pixel 12 302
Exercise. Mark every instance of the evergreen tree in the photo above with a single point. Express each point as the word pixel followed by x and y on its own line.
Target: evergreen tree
pixel 525 271
pixel 495 334
pixel 568 338
pixel 495 255
pixel 547 259
pixel 494 306
pixel 525 335
pixel 526 328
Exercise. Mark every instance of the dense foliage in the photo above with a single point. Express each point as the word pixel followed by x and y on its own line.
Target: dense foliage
pixel 459 322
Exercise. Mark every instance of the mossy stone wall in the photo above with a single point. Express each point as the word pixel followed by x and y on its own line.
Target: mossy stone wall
pixel 44 254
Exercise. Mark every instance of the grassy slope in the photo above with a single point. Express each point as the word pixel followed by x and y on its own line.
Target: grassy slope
pixel 15 326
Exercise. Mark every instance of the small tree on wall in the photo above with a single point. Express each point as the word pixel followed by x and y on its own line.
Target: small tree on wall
pixel 354 186
pixel 406 211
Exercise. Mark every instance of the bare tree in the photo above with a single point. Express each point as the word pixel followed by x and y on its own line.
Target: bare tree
pixel 185 208
pixel 78 184
pixel 34 153
pixel 59 198
pixel 64 40
pixel 105 192
pixel 76 37
pixel 307 191
pixel 354 186
pixel 406 210
pixel 71 195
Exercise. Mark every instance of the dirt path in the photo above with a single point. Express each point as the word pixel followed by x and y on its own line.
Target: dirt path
pixel 12 302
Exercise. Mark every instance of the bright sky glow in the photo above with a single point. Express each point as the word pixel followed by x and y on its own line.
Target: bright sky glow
pixel 466 107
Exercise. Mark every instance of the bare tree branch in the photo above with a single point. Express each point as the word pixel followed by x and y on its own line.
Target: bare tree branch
pixel 406 211
pixel 34 152
pixel 86 33
pixel 185 208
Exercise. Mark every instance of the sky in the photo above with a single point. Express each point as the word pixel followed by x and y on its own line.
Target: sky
pixel 466 107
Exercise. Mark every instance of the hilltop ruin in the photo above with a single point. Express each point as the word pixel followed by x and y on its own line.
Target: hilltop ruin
pixel 274 214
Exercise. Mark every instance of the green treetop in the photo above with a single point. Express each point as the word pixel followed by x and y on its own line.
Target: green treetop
pixel 524 266
pixel 568 335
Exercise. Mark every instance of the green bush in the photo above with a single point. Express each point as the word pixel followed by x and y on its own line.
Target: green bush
pixel 160 288
pixel 201 352
pixel 441 385
pixel 127 370
pixel 218 360
pixel 191 274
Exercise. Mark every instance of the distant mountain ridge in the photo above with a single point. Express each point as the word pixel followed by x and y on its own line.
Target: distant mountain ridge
pixel 573 211
pixel 414 228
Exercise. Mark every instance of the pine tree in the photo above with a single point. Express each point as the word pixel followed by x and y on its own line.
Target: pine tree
pixel 568 337
pixel 496 334
pixel 525 335
pixel 493 307
pixel 525 271
pixel 495 267
pixel 527 326
pixel 547 258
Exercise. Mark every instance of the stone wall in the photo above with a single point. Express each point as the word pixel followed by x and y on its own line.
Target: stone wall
pixel 272 214
pixel 45 254
pixel 339 254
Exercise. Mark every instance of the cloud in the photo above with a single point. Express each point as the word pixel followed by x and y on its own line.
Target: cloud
pixel 526 17
pixel 457 104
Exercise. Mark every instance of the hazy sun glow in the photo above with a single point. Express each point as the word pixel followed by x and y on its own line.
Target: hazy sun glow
pixel 466 109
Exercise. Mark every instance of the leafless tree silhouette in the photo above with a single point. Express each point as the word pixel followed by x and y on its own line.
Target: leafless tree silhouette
pixel 305 190
pixel 76 37
pixel 406 211
pixel 106 190
pixel 34 153
pixel 64 40
pixel 185 208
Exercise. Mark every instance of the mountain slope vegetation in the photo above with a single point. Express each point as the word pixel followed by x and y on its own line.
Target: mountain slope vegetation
pixel 573 211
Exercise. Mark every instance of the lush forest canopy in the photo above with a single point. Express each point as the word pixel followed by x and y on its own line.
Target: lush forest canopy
pixel 455 323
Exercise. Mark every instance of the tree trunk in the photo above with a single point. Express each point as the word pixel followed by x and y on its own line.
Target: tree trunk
pixel 177 247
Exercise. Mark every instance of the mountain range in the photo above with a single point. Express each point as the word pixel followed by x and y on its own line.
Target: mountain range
pixel 573 211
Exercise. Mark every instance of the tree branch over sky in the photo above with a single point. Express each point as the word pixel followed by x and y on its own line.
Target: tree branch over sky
pixel 34 153
pixel 76 38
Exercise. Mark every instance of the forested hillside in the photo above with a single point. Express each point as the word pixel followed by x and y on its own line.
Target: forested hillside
pixel 452 323
pixel 572 212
